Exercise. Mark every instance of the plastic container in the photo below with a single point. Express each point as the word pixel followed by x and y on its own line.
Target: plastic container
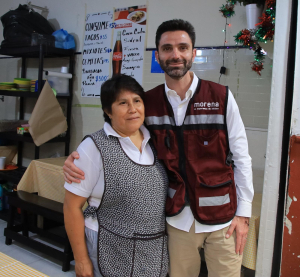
pixel 1 198
pixel 60 84
pixel 2 162
pixel 36 85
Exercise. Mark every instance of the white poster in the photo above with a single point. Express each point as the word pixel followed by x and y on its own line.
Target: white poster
pixel 96 52
pixel 129 41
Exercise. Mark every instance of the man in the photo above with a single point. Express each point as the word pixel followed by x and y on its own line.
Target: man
pixel 198 133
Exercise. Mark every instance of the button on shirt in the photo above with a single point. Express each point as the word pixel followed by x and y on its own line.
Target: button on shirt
pixel 92 187
pixel 239 147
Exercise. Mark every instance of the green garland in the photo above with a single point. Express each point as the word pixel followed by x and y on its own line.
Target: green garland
pixel 259 56
pixel 266 27
pixel 233 2
pixel 227 10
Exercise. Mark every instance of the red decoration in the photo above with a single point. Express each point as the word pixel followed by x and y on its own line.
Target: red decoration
pixel 246 36
pixel 269 35
pixel 257 67
pixel 271 3
pixel 266 21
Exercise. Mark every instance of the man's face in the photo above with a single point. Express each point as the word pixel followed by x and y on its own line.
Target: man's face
pixel 175 53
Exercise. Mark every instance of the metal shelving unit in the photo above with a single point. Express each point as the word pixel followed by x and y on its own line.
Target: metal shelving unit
pixel 39 52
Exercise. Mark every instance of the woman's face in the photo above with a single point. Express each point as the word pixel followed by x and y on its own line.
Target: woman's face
pixel 127 113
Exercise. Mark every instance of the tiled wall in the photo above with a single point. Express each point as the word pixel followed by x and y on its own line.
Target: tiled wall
pixel 251 91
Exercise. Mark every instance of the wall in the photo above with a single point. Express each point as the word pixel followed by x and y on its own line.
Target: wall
pixel 252 92
pixel 203 14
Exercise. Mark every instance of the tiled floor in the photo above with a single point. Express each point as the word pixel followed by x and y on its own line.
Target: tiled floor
pixel 32 258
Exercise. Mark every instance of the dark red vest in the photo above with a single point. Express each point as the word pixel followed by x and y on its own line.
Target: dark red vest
pixel 196 154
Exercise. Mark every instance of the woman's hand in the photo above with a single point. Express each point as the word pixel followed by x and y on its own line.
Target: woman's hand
pixel 71 172
pixel 74 224
pixel 84 268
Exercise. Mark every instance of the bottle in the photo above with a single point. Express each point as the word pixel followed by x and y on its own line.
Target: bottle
pixel 117 56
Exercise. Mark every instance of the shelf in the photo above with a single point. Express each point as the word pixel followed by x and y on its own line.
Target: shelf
pixel 39 52
pixel 28 94
pixel 26 138
pixel 33 52
pixel 13 176
pixel 4 214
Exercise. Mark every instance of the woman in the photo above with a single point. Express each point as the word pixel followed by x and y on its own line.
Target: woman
pixel 125 186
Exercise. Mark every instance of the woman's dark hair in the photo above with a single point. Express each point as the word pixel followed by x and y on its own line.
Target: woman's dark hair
pixel 175 25
pixel 111 88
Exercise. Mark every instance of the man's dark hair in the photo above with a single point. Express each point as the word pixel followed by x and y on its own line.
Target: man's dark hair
pixel 111 88
pixel 175 25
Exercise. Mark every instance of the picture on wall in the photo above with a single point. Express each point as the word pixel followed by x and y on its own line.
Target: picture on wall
pixel 129 41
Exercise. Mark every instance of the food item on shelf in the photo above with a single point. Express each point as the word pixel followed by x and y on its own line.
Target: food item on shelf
pixel 7 86
pixel 22 130
pixel 11 125
pixel 32 85
pixel 23 83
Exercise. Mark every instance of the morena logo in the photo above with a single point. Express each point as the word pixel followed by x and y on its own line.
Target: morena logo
pixel 206 105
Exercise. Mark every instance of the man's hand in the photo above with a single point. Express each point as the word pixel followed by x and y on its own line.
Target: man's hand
pixel 241 226
pixel 84 268
pixel 71 172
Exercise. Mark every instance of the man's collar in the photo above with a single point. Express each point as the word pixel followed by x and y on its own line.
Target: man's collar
pixel 191 89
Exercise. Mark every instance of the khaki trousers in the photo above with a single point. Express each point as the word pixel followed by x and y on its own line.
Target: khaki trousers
pixel 220 256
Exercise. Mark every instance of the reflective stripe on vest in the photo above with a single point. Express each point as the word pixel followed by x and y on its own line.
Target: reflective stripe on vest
pixel 189 120
pixel 171 192
pixel 214 201
pixel 160 120
pixel 204 119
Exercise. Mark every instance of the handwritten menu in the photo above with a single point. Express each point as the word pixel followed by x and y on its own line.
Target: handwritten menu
pixel 129 41
pixel 96 52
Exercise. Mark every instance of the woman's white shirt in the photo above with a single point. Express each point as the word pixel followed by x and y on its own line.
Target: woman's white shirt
pixel 90 162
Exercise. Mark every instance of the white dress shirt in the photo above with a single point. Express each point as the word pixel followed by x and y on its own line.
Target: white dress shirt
pixel 239 147
pixel 92 187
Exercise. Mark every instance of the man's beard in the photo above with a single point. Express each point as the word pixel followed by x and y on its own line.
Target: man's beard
pixel 176 72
